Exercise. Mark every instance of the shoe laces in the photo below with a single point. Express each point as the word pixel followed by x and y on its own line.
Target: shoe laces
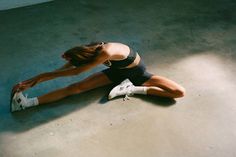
pixel 126 97
pixel 129 92
pixel 22 106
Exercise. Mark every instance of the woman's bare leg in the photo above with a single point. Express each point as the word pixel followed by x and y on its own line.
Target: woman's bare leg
pixel 161 86
pixel 93 81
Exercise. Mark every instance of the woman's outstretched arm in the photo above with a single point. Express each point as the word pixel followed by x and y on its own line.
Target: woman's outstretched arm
pixel 60 73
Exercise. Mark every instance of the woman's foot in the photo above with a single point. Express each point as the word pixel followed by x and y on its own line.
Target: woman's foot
pixel 20 102
pixel 124 88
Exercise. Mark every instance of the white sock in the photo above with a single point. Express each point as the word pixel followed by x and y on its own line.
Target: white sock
pixel 139 90
pixel 127 88
pixel 32 102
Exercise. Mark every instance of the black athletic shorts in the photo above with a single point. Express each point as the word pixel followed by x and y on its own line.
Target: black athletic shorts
pixel 137 75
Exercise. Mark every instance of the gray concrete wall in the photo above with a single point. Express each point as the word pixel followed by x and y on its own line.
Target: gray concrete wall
pixel 9 4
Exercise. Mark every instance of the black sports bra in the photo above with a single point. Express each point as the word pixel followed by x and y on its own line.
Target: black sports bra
pixel 122 63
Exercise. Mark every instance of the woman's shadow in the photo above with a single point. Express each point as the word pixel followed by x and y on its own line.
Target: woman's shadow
pixel 155 100
pixel 39 115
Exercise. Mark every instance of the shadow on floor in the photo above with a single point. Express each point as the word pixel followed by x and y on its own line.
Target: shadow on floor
pixel 32 117
pixel 36 116
pixel 155 100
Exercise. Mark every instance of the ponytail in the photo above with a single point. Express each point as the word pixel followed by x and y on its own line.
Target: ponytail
pixel 84 54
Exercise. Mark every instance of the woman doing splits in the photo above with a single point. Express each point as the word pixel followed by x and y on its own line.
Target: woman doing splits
pixel 125 69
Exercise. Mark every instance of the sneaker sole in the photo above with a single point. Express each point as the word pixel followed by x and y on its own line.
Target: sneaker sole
pixel 11 98
pixel 11 101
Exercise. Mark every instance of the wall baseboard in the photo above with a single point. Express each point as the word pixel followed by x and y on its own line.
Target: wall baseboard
pixel 10 4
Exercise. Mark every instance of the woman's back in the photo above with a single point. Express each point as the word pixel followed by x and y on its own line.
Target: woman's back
pixel 117 51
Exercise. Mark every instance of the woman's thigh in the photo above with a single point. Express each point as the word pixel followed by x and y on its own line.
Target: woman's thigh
pixel 93 81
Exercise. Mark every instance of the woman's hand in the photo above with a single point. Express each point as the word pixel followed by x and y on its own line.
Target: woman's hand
pixel 25 85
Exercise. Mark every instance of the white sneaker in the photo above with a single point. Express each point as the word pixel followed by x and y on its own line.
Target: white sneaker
pixel 124 88
pixel 18 102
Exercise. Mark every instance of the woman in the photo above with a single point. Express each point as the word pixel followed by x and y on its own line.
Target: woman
pixel 124 64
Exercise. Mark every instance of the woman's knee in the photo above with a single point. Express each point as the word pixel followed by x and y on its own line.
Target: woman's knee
pixel 179 92
pixel 168 85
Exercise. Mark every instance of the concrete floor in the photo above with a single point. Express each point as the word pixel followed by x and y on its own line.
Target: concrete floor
pixel 189 41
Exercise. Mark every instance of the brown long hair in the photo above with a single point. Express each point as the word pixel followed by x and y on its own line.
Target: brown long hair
pixel 83 54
